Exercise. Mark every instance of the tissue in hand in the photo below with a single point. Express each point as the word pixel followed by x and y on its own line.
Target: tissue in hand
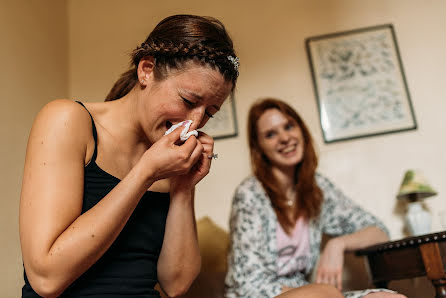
pixel 184 134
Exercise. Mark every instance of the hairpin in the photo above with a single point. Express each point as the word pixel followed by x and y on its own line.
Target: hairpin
pixel 235 62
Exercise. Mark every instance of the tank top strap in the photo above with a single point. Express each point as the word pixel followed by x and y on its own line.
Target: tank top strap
pixel 95 134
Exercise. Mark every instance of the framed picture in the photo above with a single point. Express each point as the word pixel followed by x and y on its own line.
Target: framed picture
pixel 359 83
pixel 224 123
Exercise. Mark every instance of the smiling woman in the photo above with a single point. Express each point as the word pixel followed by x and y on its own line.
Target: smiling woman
pixel 278 215
pixel 107 198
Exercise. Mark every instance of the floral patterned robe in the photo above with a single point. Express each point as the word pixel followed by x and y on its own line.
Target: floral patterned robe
pixel 252 259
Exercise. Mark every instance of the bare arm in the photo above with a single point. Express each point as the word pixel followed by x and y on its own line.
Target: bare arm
pixel 180 261
pixel 365 237
pixel 332 258
pixel 58 243
pixel 352 226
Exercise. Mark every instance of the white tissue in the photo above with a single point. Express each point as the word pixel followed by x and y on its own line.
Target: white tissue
pixel 184 134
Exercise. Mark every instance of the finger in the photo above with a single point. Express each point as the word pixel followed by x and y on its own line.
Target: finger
pixel 320 278
pixel 174 135
pixel 326 279
pixel 197 153
pixel 205 138
pixel 184 152
pixel 331 279
pixel 190 144
pixel 207 142
pixel 339 280
pixel 208 149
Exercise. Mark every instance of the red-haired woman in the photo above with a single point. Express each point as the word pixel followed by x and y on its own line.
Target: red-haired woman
pixel 279 214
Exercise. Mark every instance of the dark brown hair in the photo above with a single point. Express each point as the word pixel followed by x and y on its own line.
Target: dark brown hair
pixel 309 195
pixel 178 39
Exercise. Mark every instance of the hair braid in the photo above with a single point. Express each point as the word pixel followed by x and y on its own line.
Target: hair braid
pixel 169 51
pixel 176 40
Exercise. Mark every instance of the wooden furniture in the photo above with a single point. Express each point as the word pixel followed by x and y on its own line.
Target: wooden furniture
pixel 407 258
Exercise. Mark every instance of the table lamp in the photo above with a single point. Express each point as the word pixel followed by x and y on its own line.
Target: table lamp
pixel 414 189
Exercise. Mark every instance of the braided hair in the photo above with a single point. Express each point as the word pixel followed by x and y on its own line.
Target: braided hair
pixel 176 40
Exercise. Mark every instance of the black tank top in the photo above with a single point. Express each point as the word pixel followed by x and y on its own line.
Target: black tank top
pixel 129 267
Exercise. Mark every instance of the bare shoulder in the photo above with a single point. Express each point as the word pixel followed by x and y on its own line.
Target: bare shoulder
pixel 62 121
pixel 63 113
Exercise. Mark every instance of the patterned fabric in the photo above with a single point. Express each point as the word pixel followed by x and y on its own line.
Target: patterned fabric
pixel 252 259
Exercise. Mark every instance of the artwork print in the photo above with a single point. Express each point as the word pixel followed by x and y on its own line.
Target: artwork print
pixel 224 123
pixel 359 83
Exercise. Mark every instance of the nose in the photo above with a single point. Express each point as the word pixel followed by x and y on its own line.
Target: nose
pixel 197 117
pixel 284 136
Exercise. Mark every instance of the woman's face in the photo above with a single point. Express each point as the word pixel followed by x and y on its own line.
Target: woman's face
pixel 280 139
pixel 196 94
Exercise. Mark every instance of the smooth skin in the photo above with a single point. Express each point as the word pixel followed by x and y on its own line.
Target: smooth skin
pixel 58 242
pixel 312 291
pixel 281 140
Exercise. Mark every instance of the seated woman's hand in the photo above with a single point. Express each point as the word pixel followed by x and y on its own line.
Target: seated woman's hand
pixel 331 263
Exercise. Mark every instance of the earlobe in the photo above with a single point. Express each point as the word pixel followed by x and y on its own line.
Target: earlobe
pixel 145 69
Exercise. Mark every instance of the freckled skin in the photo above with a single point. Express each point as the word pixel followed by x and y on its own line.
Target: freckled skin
pixel 63 232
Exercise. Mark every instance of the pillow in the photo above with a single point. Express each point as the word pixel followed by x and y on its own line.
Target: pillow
pixel 214 243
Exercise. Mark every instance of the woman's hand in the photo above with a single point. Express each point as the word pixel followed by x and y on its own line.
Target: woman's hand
pixel 166 158
pixel 331 263
pixel 199 170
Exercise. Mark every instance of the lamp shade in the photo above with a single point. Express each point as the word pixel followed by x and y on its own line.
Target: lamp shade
pixel 415 186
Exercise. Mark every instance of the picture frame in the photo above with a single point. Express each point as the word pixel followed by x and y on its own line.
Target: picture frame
pixel 359 83
pixel 224 123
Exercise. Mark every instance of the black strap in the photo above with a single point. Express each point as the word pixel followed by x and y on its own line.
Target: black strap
pixel 95 134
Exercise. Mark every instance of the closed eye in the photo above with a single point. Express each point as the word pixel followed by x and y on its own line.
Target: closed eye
pixel 192 104
pixel 188 102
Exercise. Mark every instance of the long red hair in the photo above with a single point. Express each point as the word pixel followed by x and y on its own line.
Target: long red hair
pixel 309 195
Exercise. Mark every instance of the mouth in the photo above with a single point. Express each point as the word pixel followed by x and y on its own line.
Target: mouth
pixel 288 149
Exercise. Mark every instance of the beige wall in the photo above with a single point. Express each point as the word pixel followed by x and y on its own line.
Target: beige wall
pixel 269 40
pixel 33 60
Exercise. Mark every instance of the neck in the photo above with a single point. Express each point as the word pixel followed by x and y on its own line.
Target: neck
pixel 127 128
pixel 285 177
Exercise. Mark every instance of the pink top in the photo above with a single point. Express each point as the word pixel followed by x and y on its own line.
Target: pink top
pixel 294 249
